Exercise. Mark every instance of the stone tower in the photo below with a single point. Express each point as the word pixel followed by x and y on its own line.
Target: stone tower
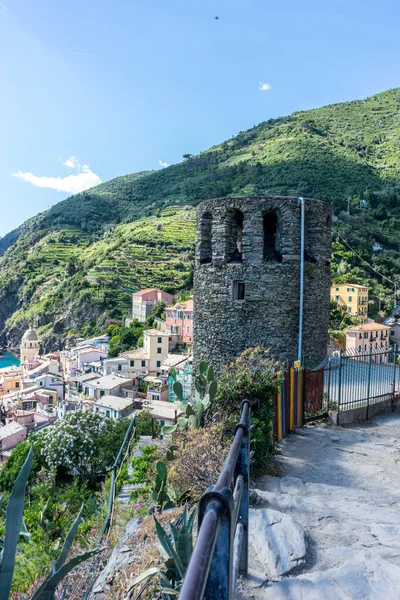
pixel 30 346
pixel 247 278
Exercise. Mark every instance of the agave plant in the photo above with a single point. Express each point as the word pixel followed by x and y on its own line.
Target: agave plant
pixel 205 391
pixel 176 550
pixel 15 527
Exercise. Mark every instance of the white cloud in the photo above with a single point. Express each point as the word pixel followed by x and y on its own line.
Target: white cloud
pixel 85 54
pixel 163 164
pixel 81 180
pixel 264 87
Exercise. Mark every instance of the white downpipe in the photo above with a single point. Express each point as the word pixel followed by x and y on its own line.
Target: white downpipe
pixel 300 346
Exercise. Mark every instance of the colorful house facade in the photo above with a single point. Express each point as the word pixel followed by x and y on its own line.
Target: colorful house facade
pixel 179 320
pixel 354 297
pixel 143 302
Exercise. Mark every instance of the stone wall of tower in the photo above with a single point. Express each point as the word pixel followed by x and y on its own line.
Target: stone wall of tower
pixel 255 241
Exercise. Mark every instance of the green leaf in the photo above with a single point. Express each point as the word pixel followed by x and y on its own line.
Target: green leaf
pixel 182 422
pixel 14 512
pixel 162 470
pixel 178 390
pixel 68 541
pixel 49 585
pixel 143 576
pixel 168 547
pixel 206 401
pixel 212 390
pixel 210 374
pixel 192 422
pixel 168 429
pixel 203 366
pixel 189 410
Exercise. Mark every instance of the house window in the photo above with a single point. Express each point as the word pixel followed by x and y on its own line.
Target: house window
pixel 350 298
pixel 119 367
pixel 132 363
pixel 158 364
pixel 102 392
pixel 40 382
pixel 337 289
pixel 234 236
pixel 271 240
pixel 366 335
pixel 143 363
pixel 392 333
pixel 159 340
pixel 187 329
pixel 159 350
pixel 349 309
pixel 360 348
pixel 205 246
pixel 16 384
pixel 238 290
pixel 107 413
pixel 360 336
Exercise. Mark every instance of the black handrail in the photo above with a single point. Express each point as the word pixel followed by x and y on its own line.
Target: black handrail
pixel 221 550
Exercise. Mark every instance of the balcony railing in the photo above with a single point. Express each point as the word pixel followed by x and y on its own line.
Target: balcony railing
pixel 221 551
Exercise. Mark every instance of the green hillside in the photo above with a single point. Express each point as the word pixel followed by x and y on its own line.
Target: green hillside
pixel 70 269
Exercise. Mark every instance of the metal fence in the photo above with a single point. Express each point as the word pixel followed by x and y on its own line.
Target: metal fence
pixel 221 550
pixel 354 379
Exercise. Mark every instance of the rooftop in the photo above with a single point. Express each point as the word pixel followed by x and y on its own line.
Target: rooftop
pixel 114 402
pixel 187 305
pixel 108 382
pixel 351 285
pixel 10 429
pixel 148 291
pixel 156 332
pixel 172 360
pixel 369 327
pixel 137 353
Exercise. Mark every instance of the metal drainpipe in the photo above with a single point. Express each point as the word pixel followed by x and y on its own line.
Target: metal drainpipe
pixel 299 352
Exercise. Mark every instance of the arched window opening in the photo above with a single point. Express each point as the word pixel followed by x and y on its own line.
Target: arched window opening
pixel 271 237
pixel 206 238
pixel 234 249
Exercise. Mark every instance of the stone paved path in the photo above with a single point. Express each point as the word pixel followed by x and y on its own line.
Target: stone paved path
pixel 126 489
pixel 343 486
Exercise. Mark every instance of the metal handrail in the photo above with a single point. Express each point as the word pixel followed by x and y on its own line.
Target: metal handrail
pixel 221 550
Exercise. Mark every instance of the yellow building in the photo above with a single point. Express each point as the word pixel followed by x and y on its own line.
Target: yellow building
pixel 354 296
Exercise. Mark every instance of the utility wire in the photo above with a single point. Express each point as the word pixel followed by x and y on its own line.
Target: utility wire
pixel 364 261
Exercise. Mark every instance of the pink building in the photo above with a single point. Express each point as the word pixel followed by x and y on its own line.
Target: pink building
pixel 11 434
pixel 143 302
pixel 361 338
pixel 180 320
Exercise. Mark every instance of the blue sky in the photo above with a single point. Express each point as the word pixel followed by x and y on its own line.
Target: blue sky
pixel 92 89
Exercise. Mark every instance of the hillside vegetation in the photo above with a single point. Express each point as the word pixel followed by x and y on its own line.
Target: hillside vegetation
pixel 70 269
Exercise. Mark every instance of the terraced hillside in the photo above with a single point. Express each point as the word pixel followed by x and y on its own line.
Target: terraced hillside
pixel 69 281
pixel 68 267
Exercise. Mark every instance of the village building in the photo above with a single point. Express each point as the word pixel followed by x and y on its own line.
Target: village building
pixel 148 360
pixel 144 301
pixel 114 406
pixel 179 320
pixel 354 297
pixel 76 359
pixel 157 388
pixel 369 338
pixel 30 346
pixel 11 434
pixel 11 380
pixel 113 385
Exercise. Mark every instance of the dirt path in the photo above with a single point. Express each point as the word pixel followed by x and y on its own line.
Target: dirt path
pixel 343 486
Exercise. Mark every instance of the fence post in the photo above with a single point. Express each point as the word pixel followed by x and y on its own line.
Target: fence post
pixel 329 384
pixel 339 395
pixel 394 375
pixel 243 469
pixel 368 382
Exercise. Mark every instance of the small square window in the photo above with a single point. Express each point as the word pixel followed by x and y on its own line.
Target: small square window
pixel 158 350
pixel 143 363
pixel 158 364
pixel 238 290
pixel 159 340
pixel 132 363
